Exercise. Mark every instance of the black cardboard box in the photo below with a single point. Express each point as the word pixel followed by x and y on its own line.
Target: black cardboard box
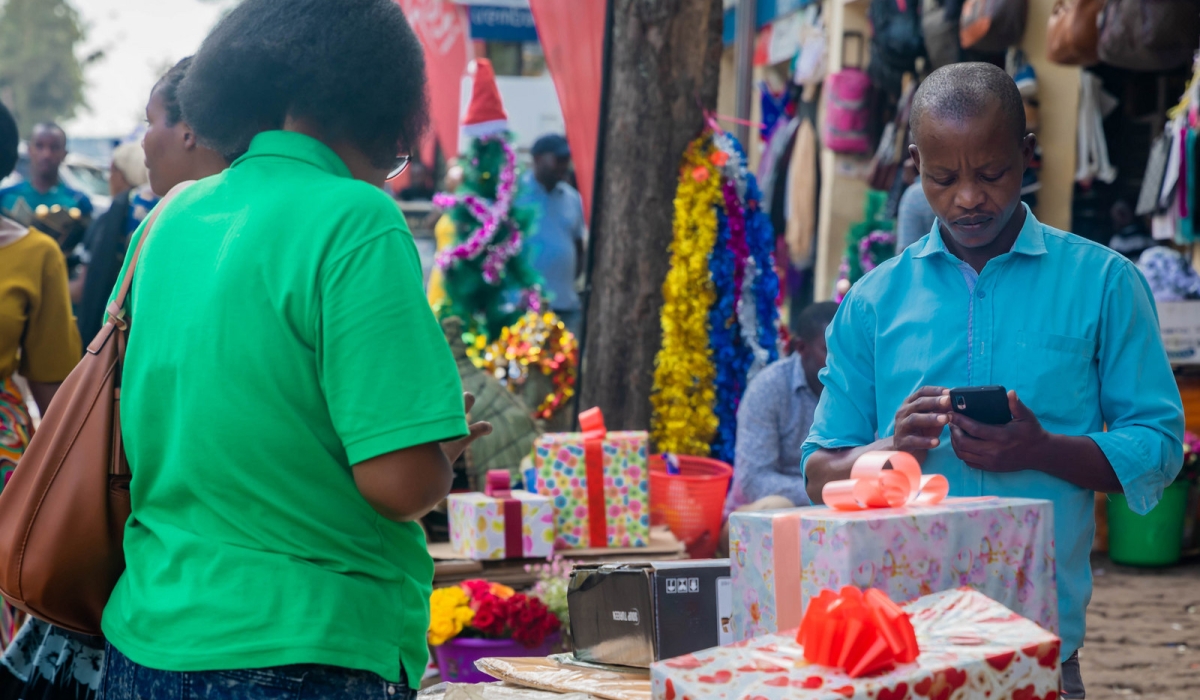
pixel 637 613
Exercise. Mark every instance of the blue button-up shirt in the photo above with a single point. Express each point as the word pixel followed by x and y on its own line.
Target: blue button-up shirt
pixel 558 230
pixel 772 422
pixel 1069 324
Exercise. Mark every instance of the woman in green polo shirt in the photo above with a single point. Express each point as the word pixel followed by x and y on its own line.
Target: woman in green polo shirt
pixel 290 406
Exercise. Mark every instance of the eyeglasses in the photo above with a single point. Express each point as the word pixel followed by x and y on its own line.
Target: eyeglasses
pixel 399 166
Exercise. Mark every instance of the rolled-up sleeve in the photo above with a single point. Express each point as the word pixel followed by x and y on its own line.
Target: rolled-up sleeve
pixel 846 415
pixel 1139 398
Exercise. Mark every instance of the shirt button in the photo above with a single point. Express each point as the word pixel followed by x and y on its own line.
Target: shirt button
pixel 981 294
pixel 391 689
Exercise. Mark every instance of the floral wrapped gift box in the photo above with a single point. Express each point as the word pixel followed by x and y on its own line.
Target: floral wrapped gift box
pixel 519 525
pixel 970 647
pixel 598 483
pixel 1003 547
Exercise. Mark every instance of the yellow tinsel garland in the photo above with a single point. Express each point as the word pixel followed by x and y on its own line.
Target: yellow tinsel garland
pixel 683 420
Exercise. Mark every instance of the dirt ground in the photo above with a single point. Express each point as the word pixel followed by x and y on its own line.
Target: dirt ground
pixel 1143 637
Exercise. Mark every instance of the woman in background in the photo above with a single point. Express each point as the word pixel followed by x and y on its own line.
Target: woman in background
pixel 168 155
pixel 38 339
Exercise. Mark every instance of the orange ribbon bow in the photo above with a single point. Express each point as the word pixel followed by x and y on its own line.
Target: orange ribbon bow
pixel 872 485
pixel 860 633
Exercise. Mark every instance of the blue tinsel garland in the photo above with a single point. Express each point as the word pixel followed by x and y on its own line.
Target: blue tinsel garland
pixel 760 237
pixel 722 340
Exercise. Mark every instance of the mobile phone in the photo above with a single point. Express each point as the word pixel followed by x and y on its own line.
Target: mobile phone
pixel 983 404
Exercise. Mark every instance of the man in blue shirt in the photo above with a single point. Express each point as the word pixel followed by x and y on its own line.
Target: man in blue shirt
pixel 557 241
pixel 47 150
pixel 993 297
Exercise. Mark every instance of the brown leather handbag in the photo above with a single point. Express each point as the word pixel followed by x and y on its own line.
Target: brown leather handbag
pixel 63 513
pixel 1073 32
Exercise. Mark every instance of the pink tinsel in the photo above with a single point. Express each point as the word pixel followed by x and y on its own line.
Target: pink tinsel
pixel 490 216
pixel 736 216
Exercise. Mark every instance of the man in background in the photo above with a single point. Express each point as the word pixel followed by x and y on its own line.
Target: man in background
pixel 775 415
pixel 557 241
pixel 47 150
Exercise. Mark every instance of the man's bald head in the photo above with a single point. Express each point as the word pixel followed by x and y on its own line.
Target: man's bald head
pixel 965 91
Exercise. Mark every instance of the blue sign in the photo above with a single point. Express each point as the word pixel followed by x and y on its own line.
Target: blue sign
pixel 502 23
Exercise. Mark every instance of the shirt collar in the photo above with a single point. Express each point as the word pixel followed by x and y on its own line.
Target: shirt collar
pixel 289 144
pixel 1030 241
pixel 799 381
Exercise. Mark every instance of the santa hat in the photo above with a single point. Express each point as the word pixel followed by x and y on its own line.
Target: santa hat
pixel 485 114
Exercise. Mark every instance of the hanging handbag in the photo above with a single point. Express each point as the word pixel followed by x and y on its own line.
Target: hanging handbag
pixel 63 513
pixel 1149 35
pixel 846 113
pixel 941 34
pixel 1073 33
pixel 991 26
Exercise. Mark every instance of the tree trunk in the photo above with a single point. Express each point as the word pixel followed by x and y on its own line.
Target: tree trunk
pixel 664 63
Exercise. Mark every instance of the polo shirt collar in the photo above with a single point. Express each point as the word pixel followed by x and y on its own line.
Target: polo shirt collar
pixel 1030 241
pixel 289 144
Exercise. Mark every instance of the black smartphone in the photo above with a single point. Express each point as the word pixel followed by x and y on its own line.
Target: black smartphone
pixel 983 404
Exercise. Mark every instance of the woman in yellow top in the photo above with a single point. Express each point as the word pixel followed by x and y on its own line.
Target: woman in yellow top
pixel 38 335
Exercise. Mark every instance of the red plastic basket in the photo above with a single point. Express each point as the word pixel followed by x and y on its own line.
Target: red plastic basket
pixel 692 502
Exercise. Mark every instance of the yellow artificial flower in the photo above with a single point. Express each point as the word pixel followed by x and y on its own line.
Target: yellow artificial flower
pixel 449 612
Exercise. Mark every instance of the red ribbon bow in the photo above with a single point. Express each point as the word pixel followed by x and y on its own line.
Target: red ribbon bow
pixel 591 422
pixel 499 486
pixel 860 633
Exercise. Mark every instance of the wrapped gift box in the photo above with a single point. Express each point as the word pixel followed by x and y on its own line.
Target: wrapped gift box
pixel 501 523
pixel 598 484
pixel 1002 547
pixel 971 647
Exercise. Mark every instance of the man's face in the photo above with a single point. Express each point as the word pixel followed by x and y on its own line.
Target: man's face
pixel 813 354
pixel 971 172
pixel 550 170
pixel 47 149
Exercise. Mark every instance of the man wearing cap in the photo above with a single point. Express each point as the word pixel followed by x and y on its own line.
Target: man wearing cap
pixel 557 241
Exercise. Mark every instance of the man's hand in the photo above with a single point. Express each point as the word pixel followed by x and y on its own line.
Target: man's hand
pixel 920 421
pixel 1000 448
pixel 454 449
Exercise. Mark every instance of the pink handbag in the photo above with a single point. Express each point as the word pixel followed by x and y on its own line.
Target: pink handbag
pixel 846 112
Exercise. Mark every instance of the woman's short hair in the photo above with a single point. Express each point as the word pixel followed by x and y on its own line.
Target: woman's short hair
pixel 168 89
pixel 9 138
pixel 354 68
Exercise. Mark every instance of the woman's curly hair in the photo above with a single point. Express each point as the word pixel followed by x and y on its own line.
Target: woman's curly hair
pixel 168 88
pixel 9 140
pixel 354 68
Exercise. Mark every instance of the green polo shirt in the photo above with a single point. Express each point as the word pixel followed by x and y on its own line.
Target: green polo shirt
pixel 280 336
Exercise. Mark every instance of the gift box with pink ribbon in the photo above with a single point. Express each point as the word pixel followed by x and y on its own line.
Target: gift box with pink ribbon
pixel 501 523
pixel 953 645
pixel 598 483
pixel 891 528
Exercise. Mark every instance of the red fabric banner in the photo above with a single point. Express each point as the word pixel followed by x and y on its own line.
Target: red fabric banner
pixel 572 37
pixel 444 31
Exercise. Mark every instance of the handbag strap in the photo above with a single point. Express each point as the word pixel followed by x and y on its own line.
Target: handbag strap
pixel 116 310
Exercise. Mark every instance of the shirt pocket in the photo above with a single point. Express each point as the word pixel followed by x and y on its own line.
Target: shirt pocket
pixel 1052 374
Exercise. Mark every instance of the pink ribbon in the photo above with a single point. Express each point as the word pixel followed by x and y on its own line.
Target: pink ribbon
pixel 873 485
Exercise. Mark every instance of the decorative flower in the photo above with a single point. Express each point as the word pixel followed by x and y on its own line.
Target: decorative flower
pixel 536 342
pixel 480 608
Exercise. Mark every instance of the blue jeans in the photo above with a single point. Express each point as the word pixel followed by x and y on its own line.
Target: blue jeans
pixel 126 680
